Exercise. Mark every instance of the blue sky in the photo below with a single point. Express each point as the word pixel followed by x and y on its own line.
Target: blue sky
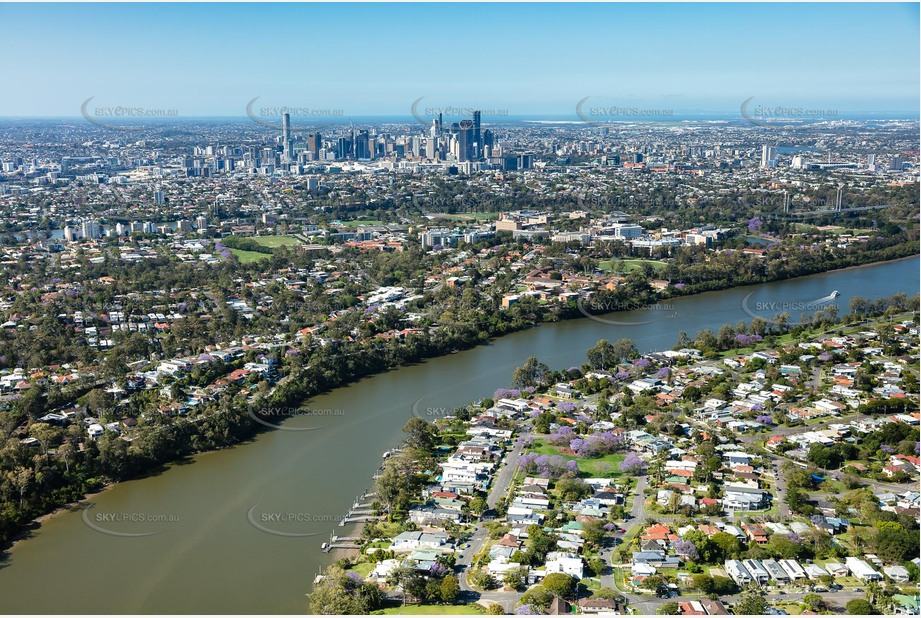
pixel 518 59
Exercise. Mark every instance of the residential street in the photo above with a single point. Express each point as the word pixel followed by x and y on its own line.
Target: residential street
pixel 499 488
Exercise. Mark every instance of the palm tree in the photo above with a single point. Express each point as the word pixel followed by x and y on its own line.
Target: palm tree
pixel 873 591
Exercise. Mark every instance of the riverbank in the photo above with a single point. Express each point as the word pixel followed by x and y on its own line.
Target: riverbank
pixel 29 528
pixel 321 472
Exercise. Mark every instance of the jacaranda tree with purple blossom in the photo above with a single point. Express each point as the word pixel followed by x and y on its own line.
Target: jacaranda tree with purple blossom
pixel 633 464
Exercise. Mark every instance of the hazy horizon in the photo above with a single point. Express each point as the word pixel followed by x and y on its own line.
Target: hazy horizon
pixel 212 60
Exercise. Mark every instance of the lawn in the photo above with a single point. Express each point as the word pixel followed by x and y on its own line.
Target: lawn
pixel 631 265
pixel 478 216
pixel 247 257
pixel 432 610
pixel 361 222
pixel 593 468
pixel 276 241
pixel 364 569
pixel 791 607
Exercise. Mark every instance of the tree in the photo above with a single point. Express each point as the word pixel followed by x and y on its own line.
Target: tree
pixel 668 609
pixel 601 355
pixel 538 597
pixel 495 609
pixel 913 571
pixel 341 593
pixel 21 478
pixel 100 403
pixel 814 602
pixel 633 464
pixel 532 373
pixel 478 505
pixel 420 434
pixel 862 607
pixel 481 578
pixel 449 589
pixel 515 578
pixel 895 544
pixel 624 349
pixel 751 603
pixel 702 582
pixel 408 580
pixel 593 533
pixel 724 585
pixel 597 566
pixel 728 545
pixel 559 584
pixel 539 544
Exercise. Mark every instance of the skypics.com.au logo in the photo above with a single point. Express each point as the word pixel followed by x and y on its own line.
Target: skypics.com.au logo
pixel 425 113
pixel 599 110
pixel 780 115
pixel 270 116
pixel 125 523
pixel 429 413
pixel 285 523
pixel 770 310
pixel 114 116
pixel 266 415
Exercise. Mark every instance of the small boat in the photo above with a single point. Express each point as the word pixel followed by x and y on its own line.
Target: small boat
pixel 835 294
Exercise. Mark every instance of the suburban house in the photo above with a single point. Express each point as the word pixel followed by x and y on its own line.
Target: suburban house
pixel 411 541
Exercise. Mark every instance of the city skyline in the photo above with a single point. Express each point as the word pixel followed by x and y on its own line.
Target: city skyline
pixel 359 60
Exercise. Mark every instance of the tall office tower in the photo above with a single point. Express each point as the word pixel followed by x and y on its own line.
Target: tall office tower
pixel 440 125
pixel 871 160
pixel 768 156
pixel 895 163
pixel 465 138
pixel 638 158
pixel 431 144
pixel 434 130
pixel 477 136
pixel 361 146
pixel 488 138
pixel 343 147
pixel 158 196
pixel 314 143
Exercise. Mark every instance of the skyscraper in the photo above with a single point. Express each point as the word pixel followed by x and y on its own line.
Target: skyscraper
pixel 768 156
pixel 477 137
pixel 465 133
pixel 286 142
pixel 314 142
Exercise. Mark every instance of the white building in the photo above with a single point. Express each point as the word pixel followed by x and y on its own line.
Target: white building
pixel 862 570
pixel 560 562
pixel 737 571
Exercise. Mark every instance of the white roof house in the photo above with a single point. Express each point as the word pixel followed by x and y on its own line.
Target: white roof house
pixel 861 569
pixel 560 562
pixel 897 573
pixel 814 571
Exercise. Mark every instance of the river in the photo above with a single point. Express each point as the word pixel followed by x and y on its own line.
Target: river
pixel 203 534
